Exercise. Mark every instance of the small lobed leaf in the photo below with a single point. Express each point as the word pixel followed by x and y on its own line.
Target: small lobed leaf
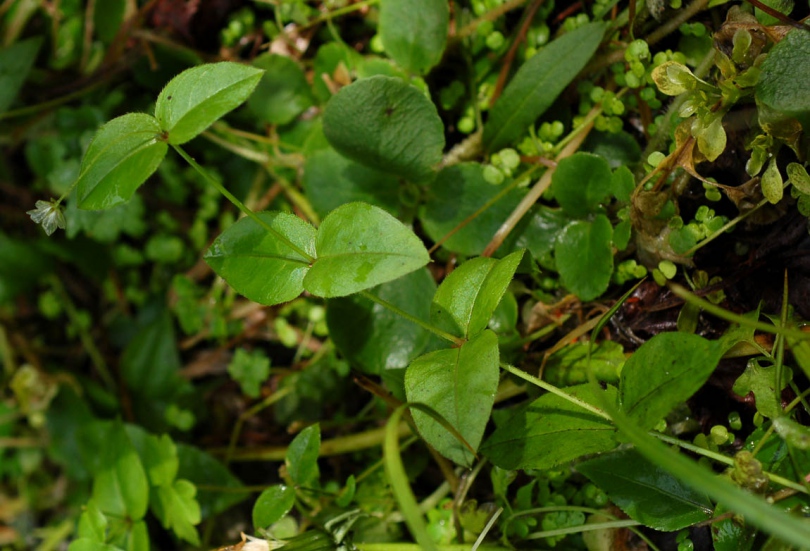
pixel 537 84
pixel 584 256
pixel 272 504
pixel 664 372
pixel 120 486
pixel 250 370
pixel 460 385
pixel 414 32
pixel 360 246
pixel 386 124
pixel 257 264
pixel 123 154
pixel 581 182
pixel 176 507
pixel 193 100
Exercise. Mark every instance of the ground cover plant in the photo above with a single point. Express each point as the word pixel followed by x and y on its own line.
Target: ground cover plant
pixel 404 274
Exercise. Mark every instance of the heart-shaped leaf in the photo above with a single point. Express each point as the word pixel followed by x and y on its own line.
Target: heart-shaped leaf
pixel 414 32
pixel 123 154
pixel 386 124
pixel 193 100
pixel 257 264
pixel 584 256
pixel 467 297
pixel 460 385
pixel 360 246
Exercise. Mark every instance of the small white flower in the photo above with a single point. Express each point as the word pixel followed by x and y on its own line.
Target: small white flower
pixel 49 214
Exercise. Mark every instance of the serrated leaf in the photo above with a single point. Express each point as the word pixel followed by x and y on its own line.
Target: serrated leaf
pixel 771 183
pixel 584 256
pixel 537 84
pixel 785 77
pixel 414 32
pixel 360 246
pixel 15 64
pixel 272 504
pixel 466 299
pixel 664 372
pixel 193 100
pixel 458 192
pixel 581 183
pixel 459 384
pixel 283 92
pixel 551 431
pixel 120 486
pixel 386 124
pixel 123 154
pixel 373 337
pixel 302 456
pixel 257 264
pixel 250 370
pixel 646 492
pixel 176 507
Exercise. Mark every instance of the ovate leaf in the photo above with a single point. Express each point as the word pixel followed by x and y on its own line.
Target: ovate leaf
pixel 302 456
pixel 584 257
pixel 551 431
pixel 193 100
pixel 537 84
pixel 665 372
pixel 646 492
pixel 771 183
pixel 272 504
pixel 257 264
pixel 414 32
pixel 459 384
pixel 360 246
pixel 15 63
pixel 120 487
pixel 386 124
pixel 123 154
pixel 467 297
pixel 581 183
pixel 785 77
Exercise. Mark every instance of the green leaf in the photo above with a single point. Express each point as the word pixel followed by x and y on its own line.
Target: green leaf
pixel 159 457
pixel 569 366
pixel 467 297
pixel 782 6
pixel 799 177
pixel 107 19
pixel 794 434
pixel 665 372
pixel 201 469
pixel 373 337
pixel 457 193
pixel 193 100
pixel 120 487
pixel 581 183
pixel 177 509
pixel 250 370
pixel 15 64
pixel 272 504
pixel 257 264
pixel 646 492
pixel 360 246
pixel 414 32
pixel 331 180
pixel 92 523
pixel 123 154
pixel 386 124
pixel 771 183
pixel 537 84
pixel 761 381
pixel 731 534
pixel 459 384
pixel 584 257
pixel 283 92
pixel 302 456
pixel 622 183
pixel 551 431
pixel 150 363
pixel 785 77
pixel 88 544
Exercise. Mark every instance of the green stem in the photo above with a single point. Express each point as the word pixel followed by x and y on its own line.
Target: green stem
pixel 246 211
pixel 458 341
pixel 554 390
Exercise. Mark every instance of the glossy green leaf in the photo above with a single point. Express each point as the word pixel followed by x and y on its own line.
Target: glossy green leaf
pixel 731 534
pixel 202 470
pixel 785 77
pixel 331 180
pixel 386 124
pixel 414 32
pixel 584 257
pixel 120 487
pixel 283 92
pixel 373 337
pixel 537 84
pixel 665 372
pixel 581 183
pixel 302 456
pixel 457 193
pixel 459 384
pixel 272 504
pixel 123 154
pixel 467 297
pixel 360 246
pixel 177 509
pixel 15 64
pixel 551 431
pixel 646 492
pixel 761 381
pixel 193 100
pixel 257 264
